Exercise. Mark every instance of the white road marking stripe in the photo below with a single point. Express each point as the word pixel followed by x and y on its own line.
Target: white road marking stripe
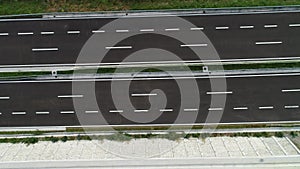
pixel 4 98
pixel 25 33
pixel 271 26
pixel 19 113
pixel 290 90
pixel 268 43
pixel 212 93
pixel 119 47
pixel 147 30
pixel 91 111
pixel 47 33
pixel 166 110
pixel 197 29
pixel 122 30
pixel 116 111
pixel 42 112
pixel 222 27
pixel 4 34
pixel 98 31
pixel 291 107
pixel 194 45
pixel 70 96
pixel 240 108
pixel 215 109
pixel 67 112
pixel 172 29
pixel 73 32
pixel 143 94
pixel 266 107
pixel 141 111
pixel 247 27
pixel 44 49
pixel 294 25
pixel 0 113
pixel 190 109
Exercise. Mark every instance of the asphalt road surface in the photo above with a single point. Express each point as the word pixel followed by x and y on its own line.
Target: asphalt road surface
pixel 235 37
pixel 249 98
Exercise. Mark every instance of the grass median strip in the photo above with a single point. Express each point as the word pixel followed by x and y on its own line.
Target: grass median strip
pixel 8 7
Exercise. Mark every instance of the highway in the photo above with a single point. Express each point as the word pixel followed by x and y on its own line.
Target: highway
pixel 236 37
pixel 249 99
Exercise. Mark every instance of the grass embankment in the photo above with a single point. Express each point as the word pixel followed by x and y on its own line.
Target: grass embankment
pixel 8 7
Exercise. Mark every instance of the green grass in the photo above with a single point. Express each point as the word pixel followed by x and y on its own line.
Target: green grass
pixel 39 6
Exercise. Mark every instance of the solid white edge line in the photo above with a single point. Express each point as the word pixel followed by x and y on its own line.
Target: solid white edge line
pixel 294 25
pixel 118 47
pixel 73 32
pixel 246 27
pixel 194 45
pixel 4 34
pixel 116 111
pixel 42 112
pixel 91 111
pixel 215 109
pixel 166 110
pixel 197 29
pixel 98 31
pixel 290 90
pixel 240 108
pixel 268 43
pixel 70 96
pixel 213 93
pixel 291 107
pixel 4 98
pixel 18 113
pixel 143 94
pixel 190 109
pixel 222 27
pixel 47 33
pixel 43 49
pixel 146 30
pixel 122 30
pixel 266 107
pixel 172 29
pixel 271 26
pixel 67 112
pixel 25 33
pixel 140 111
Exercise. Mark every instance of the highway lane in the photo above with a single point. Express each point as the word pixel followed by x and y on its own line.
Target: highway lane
pixel 235 37
pixel 250 98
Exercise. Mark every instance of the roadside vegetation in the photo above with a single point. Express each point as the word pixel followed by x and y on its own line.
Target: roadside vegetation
pixel 9 7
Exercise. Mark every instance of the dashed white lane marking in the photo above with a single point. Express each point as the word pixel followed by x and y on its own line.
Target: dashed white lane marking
pixel 269 43
pixel 222 27
pixel 4 34
pixel 47 33
pixel 240 108
pixel 271 26
pixel 91 111
pixel 141 111
pixel 4 98
pixel 42 112
pixel 294 25
pixel 67 112
pixel 246 26
pixel 172 29
pixel 98 31
pixel 147 30
pixel 0 113
pixel 291 107
pixel 143 94
pixel 190 109
pixel 266 107
pixel 122 30
pixel 197 29
pixel 44 49
pixel 70 96
pixel 73 32
pixel 215 93
pixel 215 109
pixel 194 45
pixel 166 110
pixel 25 33
pixel 116 111
pixel 118 47
pixel 290 90
pixel 19 113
